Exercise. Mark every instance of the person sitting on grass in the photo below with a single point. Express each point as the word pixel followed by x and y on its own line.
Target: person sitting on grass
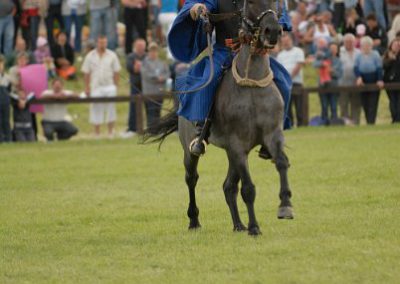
pixel 63 55
pixel 54 117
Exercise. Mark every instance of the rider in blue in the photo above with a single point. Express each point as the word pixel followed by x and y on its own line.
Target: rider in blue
pixel 187 40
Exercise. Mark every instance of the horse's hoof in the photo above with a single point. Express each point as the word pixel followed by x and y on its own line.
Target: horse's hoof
pixel 254 231
pixel 194 225
pixel 285 212
pixel 239 228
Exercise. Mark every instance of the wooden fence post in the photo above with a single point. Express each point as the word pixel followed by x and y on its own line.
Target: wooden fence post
pixel 139 113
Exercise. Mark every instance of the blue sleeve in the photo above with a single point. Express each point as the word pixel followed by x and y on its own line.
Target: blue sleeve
pixel 186 38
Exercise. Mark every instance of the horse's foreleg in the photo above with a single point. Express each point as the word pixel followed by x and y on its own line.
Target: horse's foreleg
pixel 248 190
pixel 191 178
pixel 231 190
pixel 285 210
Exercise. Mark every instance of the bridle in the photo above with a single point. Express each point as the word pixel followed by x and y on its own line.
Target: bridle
pixel 250 31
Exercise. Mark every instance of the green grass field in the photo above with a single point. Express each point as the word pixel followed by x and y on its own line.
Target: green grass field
pixel 114 211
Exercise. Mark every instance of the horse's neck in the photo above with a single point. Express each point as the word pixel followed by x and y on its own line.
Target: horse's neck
pixel 257 66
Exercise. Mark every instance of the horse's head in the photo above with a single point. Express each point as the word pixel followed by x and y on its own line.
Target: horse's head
pixel 261 22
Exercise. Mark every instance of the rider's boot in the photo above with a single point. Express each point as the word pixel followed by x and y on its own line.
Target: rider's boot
pixel 198 146
pixel 264 153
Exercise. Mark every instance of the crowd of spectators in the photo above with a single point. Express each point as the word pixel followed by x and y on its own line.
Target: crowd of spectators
pixel 348 43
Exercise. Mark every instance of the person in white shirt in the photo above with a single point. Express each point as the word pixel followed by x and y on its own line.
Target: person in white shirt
pixel 292 58
pixel 101 68
pixel 350 103
pixel 54 117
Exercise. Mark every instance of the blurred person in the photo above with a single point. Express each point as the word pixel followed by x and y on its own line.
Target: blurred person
pixel 376 8
pixel 53 14
pixel 296 32
pixel 22 60
pixel 133 65
pixel 7 10
pixel 64 57
pixel 302 10
pixel 351 22
pixel 361 29
pixel 350 103
pixel 43 56
pixel 16 18
pixel 377 33
pixel 101 69
pixel 391 67
pixel 395 29
pixel 5 90
pixel 293 59
pixel 135 20
pixel 102 21
pixel 339 13
pixel 29 22
pixel 54 117
pixel 74 13
pixel 329 71
pixel 368 70
pixel 23 130
pixel 20 46
pixel 154 74
pixel 320 30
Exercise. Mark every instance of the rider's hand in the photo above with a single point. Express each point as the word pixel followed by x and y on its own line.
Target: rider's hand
pixel 197 10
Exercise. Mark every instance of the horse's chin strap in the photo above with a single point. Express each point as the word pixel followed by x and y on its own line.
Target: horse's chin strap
pixel 246 81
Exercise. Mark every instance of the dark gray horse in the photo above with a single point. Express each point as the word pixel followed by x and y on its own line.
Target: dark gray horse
pixel 248 112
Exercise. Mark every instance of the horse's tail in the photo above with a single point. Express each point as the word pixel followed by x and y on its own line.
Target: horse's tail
pixel 157 132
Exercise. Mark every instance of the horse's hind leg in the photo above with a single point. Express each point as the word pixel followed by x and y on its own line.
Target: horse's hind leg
pixel 231 191
pixel 248 190
pixel 191 178
pixel 285 210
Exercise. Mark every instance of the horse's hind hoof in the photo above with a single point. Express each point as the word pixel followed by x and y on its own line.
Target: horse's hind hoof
pixel 254 231
pixel 285 212
pixel 239 228
pixel 194 225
